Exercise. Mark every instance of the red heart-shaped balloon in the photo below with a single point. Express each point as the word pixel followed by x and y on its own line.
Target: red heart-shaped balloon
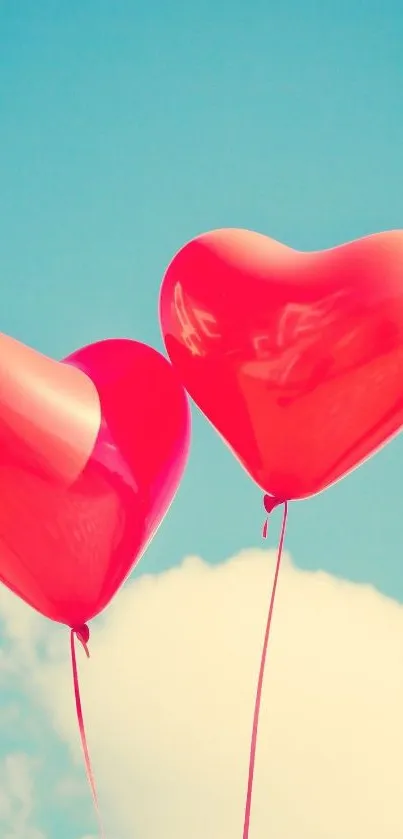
pixel 91 453
pixel 295 358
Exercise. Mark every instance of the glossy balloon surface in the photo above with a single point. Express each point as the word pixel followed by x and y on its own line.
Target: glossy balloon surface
pixel 295 358
pixel 92 452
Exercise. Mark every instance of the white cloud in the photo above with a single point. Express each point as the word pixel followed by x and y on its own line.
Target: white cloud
pixel 168 698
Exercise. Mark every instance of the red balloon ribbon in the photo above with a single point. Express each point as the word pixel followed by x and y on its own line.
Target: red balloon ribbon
pixel 83 635
pixel 259 689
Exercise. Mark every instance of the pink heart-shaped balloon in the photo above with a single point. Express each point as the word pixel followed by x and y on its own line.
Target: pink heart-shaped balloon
pixel 92 451
pixel 296 358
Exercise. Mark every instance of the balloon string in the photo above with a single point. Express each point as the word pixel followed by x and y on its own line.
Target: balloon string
pixel 255 726
pixel 83 636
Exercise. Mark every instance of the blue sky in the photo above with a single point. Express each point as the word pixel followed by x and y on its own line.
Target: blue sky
pixel 125 130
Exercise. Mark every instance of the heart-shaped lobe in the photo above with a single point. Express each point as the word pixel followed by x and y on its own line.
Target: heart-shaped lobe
pixel 92 451
pixel 295 358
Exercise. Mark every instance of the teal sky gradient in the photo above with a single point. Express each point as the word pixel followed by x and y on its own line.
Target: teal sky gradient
pixel 128 128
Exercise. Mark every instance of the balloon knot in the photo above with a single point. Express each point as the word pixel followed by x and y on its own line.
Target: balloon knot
pixel 270 502
pixel 82 633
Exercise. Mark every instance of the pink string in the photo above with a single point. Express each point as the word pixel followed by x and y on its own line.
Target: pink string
pixel 255 726
pixel 83 635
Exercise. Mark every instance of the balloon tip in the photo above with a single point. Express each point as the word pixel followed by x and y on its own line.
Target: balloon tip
pixel 270 502
pixel 82 633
